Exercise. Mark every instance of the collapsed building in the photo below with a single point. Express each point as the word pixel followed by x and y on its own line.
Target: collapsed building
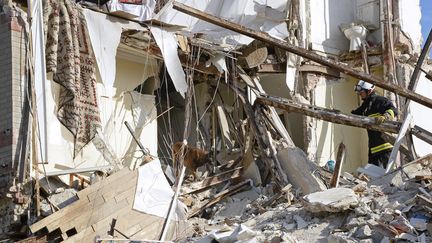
pixel 95 94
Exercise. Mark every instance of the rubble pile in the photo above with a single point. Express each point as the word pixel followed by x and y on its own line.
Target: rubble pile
pixel 395 207
pixel 178 124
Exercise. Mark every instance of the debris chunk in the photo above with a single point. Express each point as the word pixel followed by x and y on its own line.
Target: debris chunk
pixel 331 200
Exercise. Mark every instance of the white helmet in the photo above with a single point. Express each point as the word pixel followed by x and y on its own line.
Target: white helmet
pixel 362 85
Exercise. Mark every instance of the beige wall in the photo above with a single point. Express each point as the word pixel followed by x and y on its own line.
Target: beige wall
pixel 275 84
pixel 339 95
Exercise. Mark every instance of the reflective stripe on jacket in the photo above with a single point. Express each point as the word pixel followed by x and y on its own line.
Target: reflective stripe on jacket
pixel 374 106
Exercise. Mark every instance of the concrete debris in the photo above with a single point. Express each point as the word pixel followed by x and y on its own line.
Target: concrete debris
pixel 331 200
pixel 240 234
pixel 239 170
pixel 355 212
pixel 60 199
pixel 363 232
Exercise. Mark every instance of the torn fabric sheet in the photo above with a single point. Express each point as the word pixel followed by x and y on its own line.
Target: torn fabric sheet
pixel 70 58
pixel 144 11
pixel 105 38
pixel 38 49
pixel 168 46
pixel 153 193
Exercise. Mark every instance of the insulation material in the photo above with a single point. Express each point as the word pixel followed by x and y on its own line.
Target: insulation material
pixel 154 194
pixel 143 11
pixel 249 13
pixel 168 46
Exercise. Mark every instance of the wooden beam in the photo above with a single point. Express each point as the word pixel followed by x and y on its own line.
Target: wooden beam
pixel 263 143
pixel 342 67
pixel 323 70
pixel 338 168
pixel 341 118
pixel 422 133
pixel 217 180
pixel 327 114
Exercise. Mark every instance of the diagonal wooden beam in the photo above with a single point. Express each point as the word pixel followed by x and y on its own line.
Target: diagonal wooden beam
pixel 416 73
pixel 342 67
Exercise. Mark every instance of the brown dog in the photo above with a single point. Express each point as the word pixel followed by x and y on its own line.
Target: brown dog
pixel 193 157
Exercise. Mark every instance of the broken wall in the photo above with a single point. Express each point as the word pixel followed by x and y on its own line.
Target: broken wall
pixel 14 121
pixel 409 19
pixel 116 106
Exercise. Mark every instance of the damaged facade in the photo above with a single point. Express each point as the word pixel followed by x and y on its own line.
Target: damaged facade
pixel 257 94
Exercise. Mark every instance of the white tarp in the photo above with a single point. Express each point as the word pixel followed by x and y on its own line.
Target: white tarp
pixel 168 45
pixel 153 193
pixel 254 14
pixel 144 11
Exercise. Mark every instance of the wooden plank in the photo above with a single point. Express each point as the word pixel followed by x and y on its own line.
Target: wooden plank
pixel 109 180
pixel 217 180
pixel 342 67
pixel 109 189
pixel 338 167
pixel 52 219
pixel 85 205
pixel 93 215
pixel 269 160
pixel 218 197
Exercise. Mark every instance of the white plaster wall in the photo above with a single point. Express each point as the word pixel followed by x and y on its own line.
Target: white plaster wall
pixel 422 115
pixel 113 112
pixel 339 95
pixel 410 15
pixel 326 16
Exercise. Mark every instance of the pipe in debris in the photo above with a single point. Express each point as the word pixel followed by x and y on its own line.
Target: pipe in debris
pixel 342 67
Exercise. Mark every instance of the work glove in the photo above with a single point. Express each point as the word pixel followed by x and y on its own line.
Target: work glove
pixel 380 119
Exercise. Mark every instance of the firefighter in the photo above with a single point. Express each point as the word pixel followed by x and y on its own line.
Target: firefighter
pixel 382 109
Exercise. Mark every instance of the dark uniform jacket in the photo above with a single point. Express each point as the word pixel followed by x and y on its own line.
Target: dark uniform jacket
pixel 373 106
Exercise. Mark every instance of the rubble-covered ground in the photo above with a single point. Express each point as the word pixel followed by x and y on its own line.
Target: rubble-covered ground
pixel 393 208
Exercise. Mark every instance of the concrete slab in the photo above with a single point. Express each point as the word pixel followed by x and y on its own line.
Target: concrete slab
pixel 331 200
